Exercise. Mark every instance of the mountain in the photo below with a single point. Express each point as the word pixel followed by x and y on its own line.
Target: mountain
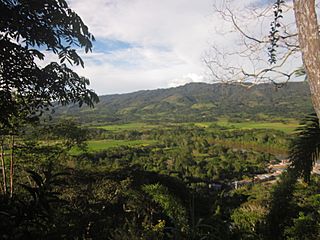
pixel 198 102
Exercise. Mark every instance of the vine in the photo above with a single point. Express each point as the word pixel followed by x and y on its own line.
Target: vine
pixel 274 32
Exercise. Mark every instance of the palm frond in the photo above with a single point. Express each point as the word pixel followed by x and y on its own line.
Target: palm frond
pixel 305 147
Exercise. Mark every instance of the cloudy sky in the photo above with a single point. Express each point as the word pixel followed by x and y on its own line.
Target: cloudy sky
pixel 149 44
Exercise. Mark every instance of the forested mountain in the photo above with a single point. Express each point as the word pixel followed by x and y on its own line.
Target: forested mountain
pixel 198 102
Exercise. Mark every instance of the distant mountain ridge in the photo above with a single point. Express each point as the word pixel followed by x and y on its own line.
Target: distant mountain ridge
pixel 198 102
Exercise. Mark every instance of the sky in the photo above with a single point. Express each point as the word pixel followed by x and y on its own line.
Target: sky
pixel 150 44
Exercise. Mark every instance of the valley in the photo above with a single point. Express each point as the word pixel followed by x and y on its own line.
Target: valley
pixel 127 164
pixel 207 127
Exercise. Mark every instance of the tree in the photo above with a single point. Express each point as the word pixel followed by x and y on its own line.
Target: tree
pixel 284 42
pixel 309 42
pixel 27 30
pixel 303 153
pixel 305 147
pixel 282 208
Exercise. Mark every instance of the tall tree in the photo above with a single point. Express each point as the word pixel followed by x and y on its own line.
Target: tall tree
pixel 28 30
pixel 309 42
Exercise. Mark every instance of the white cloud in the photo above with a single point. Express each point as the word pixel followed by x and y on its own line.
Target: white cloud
pixel 188 78
pixel 167 40
pixel 141 69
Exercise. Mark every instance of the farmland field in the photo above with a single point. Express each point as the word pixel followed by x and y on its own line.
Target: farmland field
pixel 100 145
pixel 127 126
pixel 287 127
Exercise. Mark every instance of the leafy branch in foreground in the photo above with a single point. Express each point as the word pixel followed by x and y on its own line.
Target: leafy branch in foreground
pixel 27 28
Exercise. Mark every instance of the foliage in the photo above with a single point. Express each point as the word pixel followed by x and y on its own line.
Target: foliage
pixel 26 28
pixel 31 216
pixel 171 206
pixel 274 32
pixel 177 187
pixel 197 102
pixel 69 133
pixel 168 181
pixel 304 227
pixel 282 207
pixel 304 149
pixel 288 217
pixel 248 219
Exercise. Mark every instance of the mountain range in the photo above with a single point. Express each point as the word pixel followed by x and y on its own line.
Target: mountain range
pixel 198 102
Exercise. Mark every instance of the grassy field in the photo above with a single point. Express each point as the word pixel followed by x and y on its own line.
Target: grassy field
pixel 288 127
pixel 99 145
pixel 127 126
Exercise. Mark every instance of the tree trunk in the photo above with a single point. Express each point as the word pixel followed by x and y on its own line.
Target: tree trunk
pixel 3 165
pixel 11 165
pixel 309 41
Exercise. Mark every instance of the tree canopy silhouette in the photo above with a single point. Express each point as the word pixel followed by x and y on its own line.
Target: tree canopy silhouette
pixel 28 28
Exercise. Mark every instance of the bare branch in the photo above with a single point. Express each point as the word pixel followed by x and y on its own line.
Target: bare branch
pixel 240 30
pixel 248 63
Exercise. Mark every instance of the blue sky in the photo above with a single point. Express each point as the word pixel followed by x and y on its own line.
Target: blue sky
pixel 110 45
pixel 149 44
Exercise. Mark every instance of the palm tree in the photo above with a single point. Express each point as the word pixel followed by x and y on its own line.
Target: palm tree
pixel 305 147
pixel 304 150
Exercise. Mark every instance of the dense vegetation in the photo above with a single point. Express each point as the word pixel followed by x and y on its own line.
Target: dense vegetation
pixel 173 182
pixel 190 162
pixel 120 179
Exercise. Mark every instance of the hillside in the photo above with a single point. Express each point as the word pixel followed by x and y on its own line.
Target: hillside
pixel 198 102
